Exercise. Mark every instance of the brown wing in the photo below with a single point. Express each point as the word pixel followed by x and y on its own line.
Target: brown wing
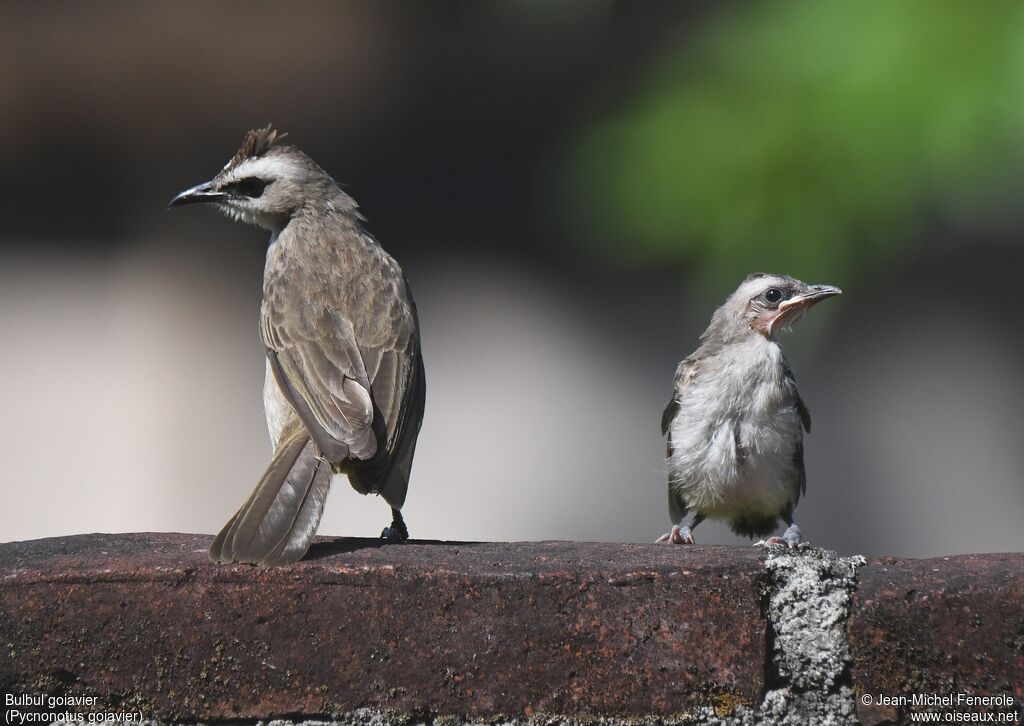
pixel 318 365
pixel 685 371
pixel 388 472
pixel 805 420
pixel 341 335
pixel 684 374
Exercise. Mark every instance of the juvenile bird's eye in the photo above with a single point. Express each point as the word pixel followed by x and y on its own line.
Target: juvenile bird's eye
pixel 773 295
pixel 251 187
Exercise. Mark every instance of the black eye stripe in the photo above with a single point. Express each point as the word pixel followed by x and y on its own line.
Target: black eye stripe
pixel 251 187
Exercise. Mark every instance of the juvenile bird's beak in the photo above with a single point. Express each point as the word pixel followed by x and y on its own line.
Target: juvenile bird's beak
pixel 815 294
pixel 794 308
pixel 199 194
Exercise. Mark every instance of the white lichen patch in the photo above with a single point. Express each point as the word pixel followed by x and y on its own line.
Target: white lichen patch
pixel 808 595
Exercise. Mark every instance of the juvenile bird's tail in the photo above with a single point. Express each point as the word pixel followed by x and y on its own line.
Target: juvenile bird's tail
pixel 277 523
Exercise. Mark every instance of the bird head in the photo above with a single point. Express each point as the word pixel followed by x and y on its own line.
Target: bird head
pixel 265 183
pixel 765 304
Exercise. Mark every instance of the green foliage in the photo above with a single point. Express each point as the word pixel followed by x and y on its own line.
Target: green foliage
pixel 807 137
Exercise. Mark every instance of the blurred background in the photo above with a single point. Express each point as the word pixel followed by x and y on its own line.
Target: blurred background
pixel 572 187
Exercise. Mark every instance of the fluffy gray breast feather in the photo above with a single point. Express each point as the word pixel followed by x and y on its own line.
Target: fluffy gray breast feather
pixel 733 426
pixel 341 334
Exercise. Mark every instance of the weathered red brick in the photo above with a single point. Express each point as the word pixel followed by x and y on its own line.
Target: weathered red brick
pixel 474 629
pixel 937 626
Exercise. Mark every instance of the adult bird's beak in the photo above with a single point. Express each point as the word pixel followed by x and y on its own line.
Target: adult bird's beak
pixel 199 194
pixel 814 294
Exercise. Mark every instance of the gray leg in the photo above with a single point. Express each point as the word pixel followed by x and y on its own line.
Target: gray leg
pixel 683 534
pixel 792 536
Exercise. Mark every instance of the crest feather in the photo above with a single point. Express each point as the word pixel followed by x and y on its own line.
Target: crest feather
pixel 256 143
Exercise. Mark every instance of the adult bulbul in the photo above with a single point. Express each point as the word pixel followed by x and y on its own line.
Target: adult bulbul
pixel 344 389
pixel 735 422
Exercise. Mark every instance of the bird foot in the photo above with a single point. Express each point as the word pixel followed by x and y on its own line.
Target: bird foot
pixel 397 532
pixel 792 538
pixel 678 535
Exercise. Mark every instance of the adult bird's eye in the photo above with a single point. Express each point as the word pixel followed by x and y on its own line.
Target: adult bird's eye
pixel 251 187
pixel 773 295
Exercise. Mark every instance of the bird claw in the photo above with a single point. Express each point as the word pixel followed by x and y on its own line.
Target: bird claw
pixel 397 532
pixel 678 535
pixel 791 538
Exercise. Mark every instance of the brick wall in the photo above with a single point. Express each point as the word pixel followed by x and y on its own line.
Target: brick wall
pixel 479 632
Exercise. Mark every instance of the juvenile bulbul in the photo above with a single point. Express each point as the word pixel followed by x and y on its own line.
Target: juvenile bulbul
pixel 735 422
pixel 344 388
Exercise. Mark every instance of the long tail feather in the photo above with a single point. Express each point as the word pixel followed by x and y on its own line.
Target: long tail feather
pixel 295 544
pixel 277 523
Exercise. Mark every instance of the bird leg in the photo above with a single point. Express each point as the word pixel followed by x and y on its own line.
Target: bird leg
pixel 681 535
pixel 676 536
pixel 397 532
pixel 791 537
